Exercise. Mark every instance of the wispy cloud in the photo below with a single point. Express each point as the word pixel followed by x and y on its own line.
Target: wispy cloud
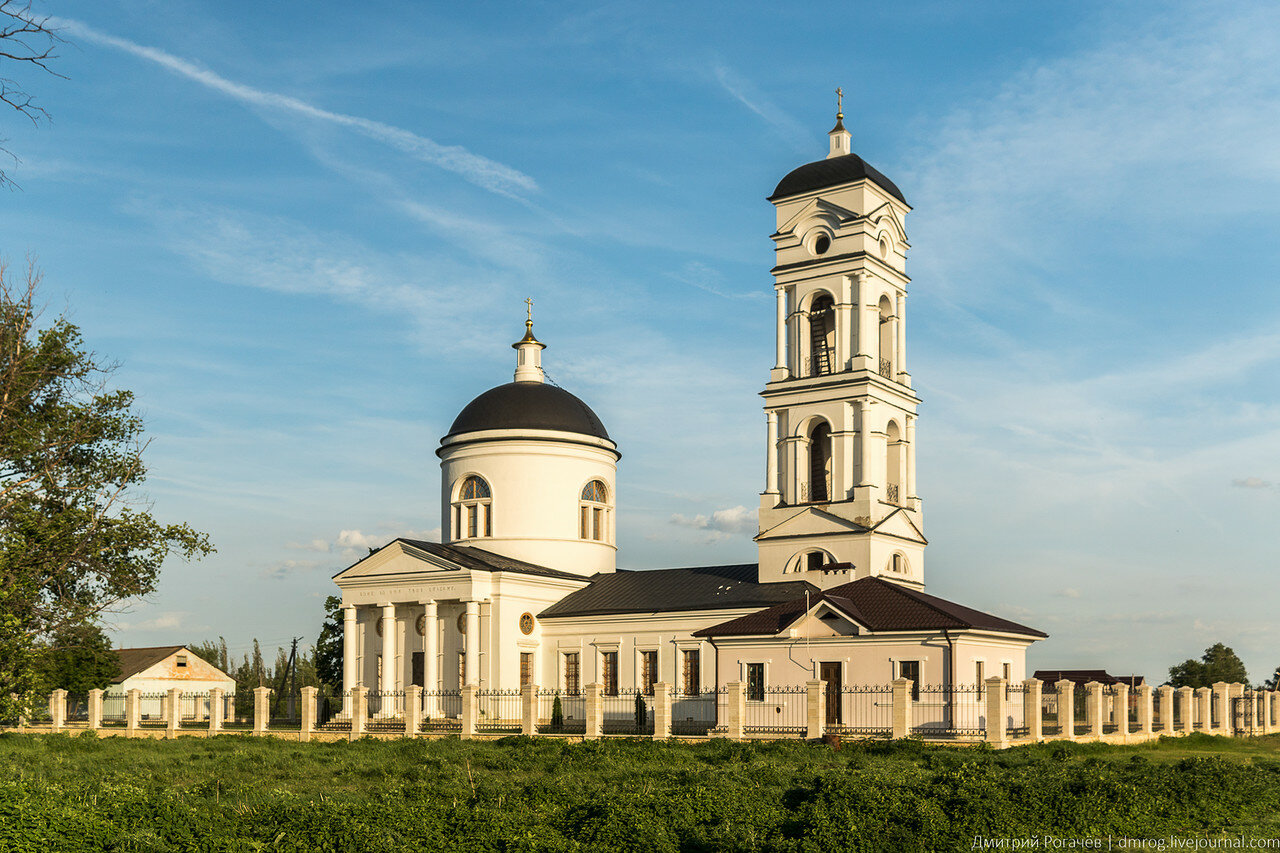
pixel 746 93
pixel 481 171
pixel 1251 483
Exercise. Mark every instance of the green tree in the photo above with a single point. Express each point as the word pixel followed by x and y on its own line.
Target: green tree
pixel 214 653
pixel 79 658
pixel 1273 683
pixel 1218 663
pixel 328 653
pixel 75 540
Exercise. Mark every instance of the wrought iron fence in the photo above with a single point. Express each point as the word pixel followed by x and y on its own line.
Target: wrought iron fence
pixel 153 709
pixel 949 710
pixel 385 711
pixel 441 711
pixel 333 712
pixel 77 708
pixel 1051 722
pixel 561 714
pixel 284 711
pixel 499 711
pixel 861 709
pixel 193 710
pixel 695 713
pixel 113 709
pixel 628 712
pixel 1015 713
pixel 777 710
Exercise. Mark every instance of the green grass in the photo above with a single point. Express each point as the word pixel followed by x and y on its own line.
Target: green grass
pixel 233 793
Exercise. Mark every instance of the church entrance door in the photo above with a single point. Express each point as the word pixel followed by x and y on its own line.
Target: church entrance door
pixel 830 673
pixel 418 675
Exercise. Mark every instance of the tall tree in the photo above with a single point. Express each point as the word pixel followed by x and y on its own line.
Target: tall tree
pixel 75 539
pixel 79 658
pixel 27 43
pixel 328 654
pixel 1218 663
pixel 1273 683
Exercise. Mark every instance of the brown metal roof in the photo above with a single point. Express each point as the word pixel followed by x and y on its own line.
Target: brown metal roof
pixel 668 590
pixel 134 661
pixel 478 559
pixel 879 605
pixel 1084 676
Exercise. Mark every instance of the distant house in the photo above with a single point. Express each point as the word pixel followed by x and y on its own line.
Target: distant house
pixel 156 670
pixel 1081 677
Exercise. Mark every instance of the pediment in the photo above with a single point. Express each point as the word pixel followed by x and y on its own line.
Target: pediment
pixel 826 620
pixel 885 216
pixel 818 208
pixel 811 521
pixel 898 523
pixel 397 558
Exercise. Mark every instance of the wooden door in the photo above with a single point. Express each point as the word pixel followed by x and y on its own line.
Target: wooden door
pixel 418 661
pixel 830 673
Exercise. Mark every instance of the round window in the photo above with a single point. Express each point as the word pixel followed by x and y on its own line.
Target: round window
pixel 378 627
pixel 462 623
pixel 422 624
pixel 884 247
pixel 821 244
pixel 526 623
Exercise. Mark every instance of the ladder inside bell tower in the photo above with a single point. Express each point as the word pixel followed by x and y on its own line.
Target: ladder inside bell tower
pixel 821 332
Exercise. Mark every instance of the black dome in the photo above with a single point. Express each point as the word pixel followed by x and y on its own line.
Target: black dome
pixel 528 405
pixel 830 173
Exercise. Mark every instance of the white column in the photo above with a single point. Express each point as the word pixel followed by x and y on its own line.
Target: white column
pixel 782 328
pixel 911 460
pixel 771 471
pixel 845 334
pixel 471 643
pixel 868 317
pixel 349 674
pixel 388 681
pixel 430 631
pixel 864 442
pixel 901 327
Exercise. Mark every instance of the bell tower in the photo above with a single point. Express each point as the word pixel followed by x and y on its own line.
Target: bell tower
pixel 840 499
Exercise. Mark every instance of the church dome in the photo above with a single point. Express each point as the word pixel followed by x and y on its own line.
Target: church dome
pixel 528 405
pixel 832 172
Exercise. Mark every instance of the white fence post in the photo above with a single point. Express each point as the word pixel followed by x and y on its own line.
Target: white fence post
pixel 661 711
pixel 1166 709
pixel 595 710
pixel 216 712
pixel 307 720
pixel 412 710
pixel 132 711
pixel 995 730
pixel 1093 708
pixel 58 709
pixel 174 717
pixel 1120 709
pixel 735 709
pixel 1067 708
pixel 529 709
pixel 815 710
pixel 95 708
pixel 261 710
pixel 1145 726
pixel 360 709
pixel 900 724
pixel 1032 713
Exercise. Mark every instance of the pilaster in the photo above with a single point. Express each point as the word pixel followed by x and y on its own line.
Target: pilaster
pixel 307 722
pixel 1094 708
pixel 216 711
pixel 661 711
pixel 816 718
pixel 595 710
pixel 412 710
pixel 736 707
pixel 1145 723
pixel 95 708
pixel 1031 708
pixel 1067 708
pixel 173 719
pixel 1166 709
pixel 996 731
pixel 261 710
pixel 528 709
pixel 901 722
pixel 58 710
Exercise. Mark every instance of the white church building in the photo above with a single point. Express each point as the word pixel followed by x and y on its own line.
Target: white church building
pixel 523 588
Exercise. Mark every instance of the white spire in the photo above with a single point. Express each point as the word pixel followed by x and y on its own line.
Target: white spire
pixel 841 139
pixel 529 352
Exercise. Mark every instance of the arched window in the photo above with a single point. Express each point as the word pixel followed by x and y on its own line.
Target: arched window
pixel 893 464
pixel 886 337
pixel 822 336
pixel 808 561
pixel 898 564
pixel 593 512
pixel 472 511
pixel 819 463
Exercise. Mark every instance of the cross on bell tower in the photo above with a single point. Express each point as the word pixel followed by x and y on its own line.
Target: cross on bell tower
pixel 840 500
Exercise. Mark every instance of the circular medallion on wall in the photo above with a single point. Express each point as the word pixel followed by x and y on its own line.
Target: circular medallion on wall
pixel 462 623
pixel 526 623
pixel 421 624
pixel 378 626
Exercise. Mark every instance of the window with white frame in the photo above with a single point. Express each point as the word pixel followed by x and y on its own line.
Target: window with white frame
pixel 572 674
pixel 648 671
pixel 691 672
pixel 472 511
pixel 593 512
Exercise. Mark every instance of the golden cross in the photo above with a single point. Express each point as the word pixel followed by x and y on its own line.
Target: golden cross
pixel 529 302
pixel 839 101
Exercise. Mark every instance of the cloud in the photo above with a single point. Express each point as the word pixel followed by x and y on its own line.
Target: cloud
pixel 479 170
pixel 163 622
pixel 320 545
pixel 745 92
pixel 703 277
pixel 356 539
pixel 283 568
pixel 1068 592
pixel 1251 483
pixel 722 523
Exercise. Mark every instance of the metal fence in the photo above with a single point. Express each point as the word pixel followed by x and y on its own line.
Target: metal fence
pixel 385 711
pixel 696 713
pixel 949 710
pixel 1015 720
pixel 777 710
pixel 441 711
pixel 77 708
pixel 284 711
pixel 561 714
pixel 499 711
pixel 627 712
pixel 859 709
pixel 153 709
pixel 1051 721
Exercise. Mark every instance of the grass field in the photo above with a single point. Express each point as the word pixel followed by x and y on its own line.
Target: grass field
pixel 234 793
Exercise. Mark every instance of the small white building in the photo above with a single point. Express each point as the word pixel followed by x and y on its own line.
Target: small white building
pixel 523 588
pixel 156 670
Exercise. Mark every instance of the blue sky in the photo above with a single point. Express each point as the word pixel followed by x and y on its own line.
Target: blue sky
pixel 306 238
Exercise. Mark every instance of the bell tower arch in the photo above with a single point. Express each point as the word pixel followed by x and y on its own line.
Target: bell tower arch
pixel 840 409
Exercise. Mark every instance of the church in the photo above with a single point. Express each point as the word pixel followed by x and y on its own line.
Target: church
pixel 523 588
